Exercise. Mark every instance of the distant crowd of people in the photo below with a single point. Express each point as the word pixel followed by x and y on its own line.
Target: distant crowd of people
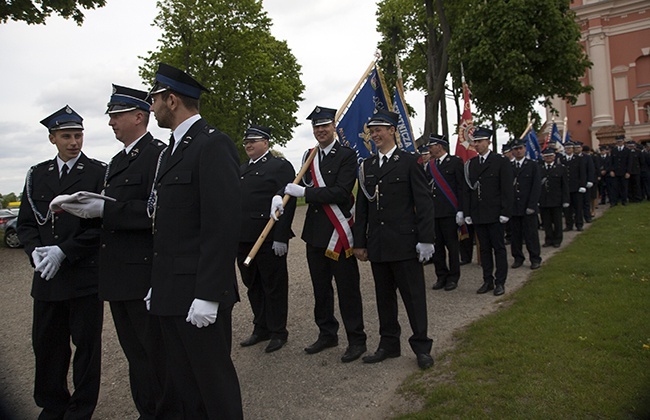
pixel 159 230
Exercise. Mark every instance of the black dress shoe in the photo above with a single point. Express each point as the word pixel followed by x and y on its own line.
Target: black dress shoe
pixel 485 288
pixel 546 245
pixel 579 229
pixel 425 361
pixel 499 289
pixel 462 262
pixel 535 265
pixel 439 285
pixel 451 286
pixel 275 344
pixel 557 245
pixel 517 264
pixel 322 344
pixel 568 229
pixel 254 339
pixel 379 356
pixel 353 353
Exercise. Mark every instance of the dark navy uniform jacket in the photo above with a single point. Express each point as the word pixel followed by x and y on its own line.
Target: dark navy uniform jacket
pixel 126 250
pixel 77 238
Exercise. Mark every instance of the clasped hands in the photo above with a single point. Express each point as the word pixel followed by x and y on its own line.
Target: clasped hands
pixel 201 314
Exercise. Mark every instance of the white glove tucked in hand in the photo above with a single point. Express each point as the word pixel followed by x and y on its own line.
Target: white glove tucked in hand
pixel 280 248
pixel 460 219
pixel 503 219
pixel 590 184
pixel 425 251
pixel 86 208
pixel 530 211
pixel 294 190
pixel 51 262
pixel 276 206
pixel 582 190
pixel 468 220
pixel 202 313
pixel 565 205
pixel 147 300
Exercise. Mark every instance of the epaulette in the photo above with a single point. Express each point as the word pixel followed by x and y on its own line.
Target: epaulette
pixel 44 163
pixel 97 162
pixel 157 143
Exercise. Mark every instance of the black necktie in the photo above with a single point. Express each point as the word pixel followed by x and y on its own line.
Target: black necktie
pixel 64 173
pixel 481 160
pixel 321 154
pixel 384 160
pixel 518 165
pixel 171 144
pixel 438 162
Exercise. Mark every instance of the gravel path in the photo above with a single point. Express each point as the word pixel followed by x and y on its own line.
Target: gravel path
pixel 287 384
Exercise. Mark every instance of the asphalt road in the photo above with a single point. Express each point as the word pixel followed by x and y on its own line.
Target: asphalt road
pixel 287 384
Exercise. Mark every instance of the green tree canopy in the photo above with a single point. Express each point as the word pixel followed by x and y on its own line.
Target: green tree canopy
pixel 227 46
pixel 35 12
pixel 516 51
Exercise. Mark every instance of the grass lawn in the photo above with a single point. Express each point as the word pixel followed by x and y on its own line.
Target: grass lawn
pixel 573 342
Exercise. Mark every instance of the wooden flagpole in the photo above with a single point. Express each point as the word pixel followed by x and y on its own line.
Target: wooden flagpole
pixel 285 200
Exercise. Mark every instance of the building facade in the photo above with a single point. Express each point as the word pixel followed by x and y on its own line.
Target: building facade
pixel 616 37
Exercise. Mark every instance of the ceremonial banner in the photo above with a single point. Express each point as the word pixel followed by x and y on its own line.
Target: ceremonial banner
pixel 404 131
pixel 532 146
pixel 463 148
pixel 351 127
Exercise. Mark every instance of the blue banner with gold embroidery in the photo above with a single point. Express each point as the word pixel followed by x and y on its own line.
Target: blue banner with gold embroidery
pixel 351 128
pixel 405 138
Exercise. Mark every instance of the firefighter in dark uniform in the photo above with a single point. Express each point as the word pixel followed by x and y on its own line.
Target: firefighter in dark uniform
pixel 126 242
pixel 445 174
pixel 524 223
pixel 634 183
pixel 394 230
pixel 63 252
pixel 488 206
pixel 266 277
pixel 553 197
pixel 327 188
pixel 196 221
pixel 618 172
pixel 577 178
pixel 603 182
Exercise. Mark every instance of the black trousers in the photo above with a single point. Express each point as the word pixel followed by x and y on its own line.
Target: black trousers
pixel 552 224
pixel 54 325
pixel 634 186
pixel 140 337
pixel 345 272
pixel 200 381
pixel 525 230
pixel 618 189
pixel 447 241
pixel 267 281
pixel 407 277
pixel 573 214
pixel 493 252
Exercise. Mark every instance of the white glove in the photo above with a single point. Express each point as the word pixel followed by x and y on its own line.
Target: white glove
pixel 280 248
pixel 294 190
pixel 565 205
pixel 276 206
pixel 425 251
pixel 55 204
pixel 147 300
pixel 37 257
pixel 51 262
pixel 202 313
pixel 582 190
pixel 460 219
pixel 503 219
pixel 86 208
pixel 530 211
pixel 468 220
pixel 590 184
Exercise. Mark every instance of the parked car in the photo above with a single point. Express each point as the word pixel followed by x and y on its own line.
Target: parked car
pixel 5 216
pixel 11 235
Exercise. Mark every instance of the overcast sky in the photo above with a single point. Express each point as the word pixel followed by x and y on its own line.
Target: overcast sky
pixel 46 67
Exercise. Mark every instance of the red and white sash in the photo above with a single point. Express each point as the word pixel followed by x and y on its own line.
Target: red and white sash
pixel 341 239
